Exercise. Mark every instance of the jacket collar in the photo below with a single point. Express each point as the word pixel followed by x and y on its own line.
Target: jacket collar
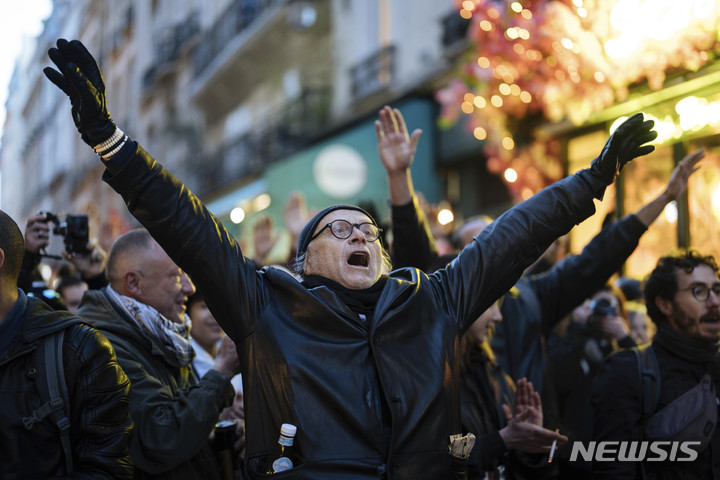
pixel 41 320
pixel 102 314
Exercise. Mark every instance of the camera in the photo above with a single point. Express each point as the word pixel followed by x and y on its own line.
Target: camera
pixel 603 308
pixel 73 228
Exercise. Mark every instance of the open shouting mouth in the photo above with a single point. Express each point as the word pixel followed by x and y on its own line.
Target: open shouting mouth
pixel 359 259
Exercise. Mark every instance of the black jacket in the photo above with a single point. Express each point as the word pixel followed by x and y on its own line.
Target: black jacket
pixel 173 412
pixel 617 413
pixel 98 390
pixel 539 302
pixel 484 388
pixel 307 359
pixel 575 361
pixel 484 385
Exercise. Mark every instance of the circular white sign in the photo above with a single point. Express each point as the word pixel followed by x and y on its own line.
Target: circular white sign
pixel 340 171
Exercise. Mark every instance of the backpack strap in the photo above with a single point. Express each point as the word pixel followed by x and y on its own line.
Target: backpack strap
pixel 55 391
pixel 649 382
pixel 649 379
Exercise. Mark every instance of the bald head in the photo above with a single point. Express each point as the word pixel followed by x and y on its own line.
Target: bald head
pixel 139 268
pixel 469 230
pixel 125 255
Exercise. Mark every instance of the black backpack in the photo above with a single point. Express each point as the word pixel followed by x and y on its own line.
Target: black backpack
pixel 54 391
pixel 690 417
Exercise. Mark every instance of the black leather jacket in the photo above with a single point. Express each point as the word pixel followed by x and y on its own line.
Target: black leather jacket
pixel 307 359
pixel 538 302
pixel 98 389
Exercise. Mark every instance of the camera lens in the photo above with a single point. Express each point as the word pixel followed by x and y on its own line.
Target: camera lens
pixel 603 307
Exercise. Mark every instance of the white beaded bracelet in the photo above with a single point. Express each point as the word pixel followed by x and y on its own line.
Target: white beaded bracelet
pixel 116 136
pixel 109 154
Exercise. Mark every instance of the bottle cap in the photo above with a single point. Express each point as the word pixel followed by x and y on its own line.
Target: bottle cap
pixel 226 424
pixel 288 430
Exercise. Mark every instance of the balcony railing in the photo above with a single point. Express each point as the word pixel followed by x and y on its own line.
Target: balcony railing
pixel 454 29
pixel 236 19
pixel 373 74
pixel 168 46
pixel 285 133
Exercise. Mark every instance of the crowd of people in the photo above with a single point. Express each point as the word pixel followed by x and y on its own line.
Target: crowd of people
pixel 394 359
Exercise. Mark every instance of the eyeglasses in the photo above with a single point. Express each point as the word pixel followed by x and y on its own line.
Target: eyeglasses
pixel 342 229
pixel 702 292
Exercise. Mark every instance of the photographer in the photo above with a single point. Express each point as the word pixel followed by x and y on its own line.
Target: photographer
pixel 597 328
pixel 87 258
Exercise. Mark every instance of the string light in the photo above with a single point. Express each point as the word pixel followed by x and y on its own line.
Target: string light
pixel 445 216
pixel 237 215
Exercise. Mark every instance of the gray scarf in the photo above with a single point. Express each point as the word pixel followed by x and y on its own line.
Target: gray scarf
pixel 174 337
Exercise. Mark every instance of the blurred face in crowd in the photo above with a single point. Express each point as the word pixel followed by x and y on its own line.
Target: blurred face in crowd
pixel 582 312
pixel 480 329
pixel 162 285
pixel 471 229
pixel 353 262
pixel 689 315
pixel 641 327
pixel 72 295
pixel 205 329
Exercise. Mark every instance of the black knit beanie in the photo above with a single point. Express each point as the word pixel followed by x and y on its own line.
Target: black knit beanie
pixel 307 231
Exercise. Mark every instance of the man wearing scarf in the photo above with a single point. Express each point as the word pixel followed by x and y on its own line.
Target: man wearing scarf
pixel 142 313
pixel 360 358
pixel 682 295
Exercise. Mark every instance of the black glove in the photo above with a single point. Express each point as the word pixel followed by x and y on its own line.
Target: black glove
pixel 626 143
pixel 80 78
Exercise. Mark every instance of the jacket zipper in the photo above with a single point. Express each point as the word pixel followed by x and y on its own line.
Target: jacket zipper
pixel 18 355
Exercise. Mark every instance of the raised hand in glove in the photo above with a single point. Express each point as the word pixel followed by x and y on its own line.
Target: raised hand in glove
pixel 626 143
pixel 80 78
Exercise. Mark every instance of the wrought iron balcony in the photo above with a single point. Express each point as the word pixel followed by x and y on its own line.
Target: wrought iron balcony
pixel 168 46
pixel 454 30
pixel 236 19
pixel 373 74
pixel 285 133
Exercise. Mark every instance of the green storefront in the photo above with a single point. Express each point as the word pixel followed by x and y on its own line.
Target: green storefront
pixel 341 167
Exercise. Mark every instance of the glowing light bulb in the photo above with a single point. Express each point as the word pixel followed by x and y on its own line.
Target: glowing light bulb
pixel 261 202
pixel 237 215
pixel 671 212
pixel 445 216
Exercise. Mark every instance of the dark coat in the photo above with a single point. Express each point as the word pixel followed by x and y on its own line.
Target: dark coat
pixel 575 360
pixel 307 359
pixel 617 413
pixel 484 388
pixel 98 392
pixel 536 303
pixel 539 302
pixel 173 411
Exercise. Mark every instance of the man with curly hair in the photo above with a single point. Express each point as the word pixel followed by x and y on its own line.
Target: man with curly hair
pixel 683 300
